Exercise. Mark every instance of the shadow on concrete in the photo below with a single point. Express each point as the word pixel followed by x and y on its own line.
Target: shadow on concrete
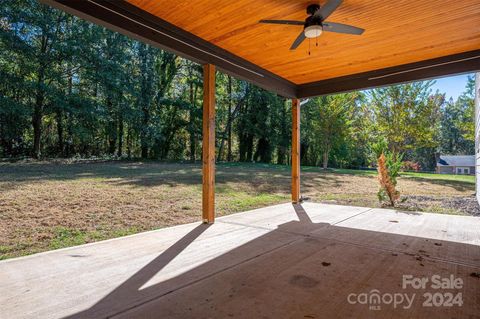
pixel 119 297
pixel 309 275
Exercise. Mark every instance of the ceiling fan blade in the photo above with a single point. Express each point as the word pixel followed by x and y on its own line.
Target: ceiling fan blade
pixel 291 22
pixel 298 41
pixel 327 9
pixel 342 28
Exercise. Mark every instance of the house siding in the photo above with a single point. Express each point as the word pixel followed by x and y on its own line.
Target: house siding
pixel 445 169
pixel 453 169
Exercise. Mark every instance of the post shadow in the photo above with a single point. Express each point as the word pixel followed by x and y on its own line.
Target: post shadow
pixel 302 214
pixel 124 292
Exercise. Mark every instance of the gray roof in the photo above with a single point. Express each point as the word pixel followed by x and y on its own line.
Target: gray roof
pixel 456 160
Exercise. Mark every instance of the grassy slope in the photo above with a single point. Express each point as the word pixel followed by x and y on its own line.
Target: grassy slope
pixel 440 177
pixel 47 206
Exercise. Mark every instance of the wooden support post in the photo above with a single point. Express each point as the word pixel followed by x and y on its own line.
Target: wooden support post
pixel 208 150
pixel 295 150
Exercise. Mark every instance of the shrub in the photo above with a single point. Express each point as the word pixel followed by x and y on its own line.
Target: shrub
pixel 411 166
pixel 389 164
pixel 387 176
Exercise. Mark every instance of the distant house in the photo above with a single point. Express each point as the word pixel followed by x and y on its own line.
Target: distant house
pixel 456 164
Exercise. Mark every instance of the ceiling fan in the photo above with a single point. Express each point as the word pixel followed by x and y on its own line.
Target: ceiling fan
pixel 315 23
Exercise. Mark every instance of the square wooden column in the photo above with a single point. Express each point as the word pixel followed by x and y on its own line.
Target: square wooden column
pixel 295 150
pixel 208 144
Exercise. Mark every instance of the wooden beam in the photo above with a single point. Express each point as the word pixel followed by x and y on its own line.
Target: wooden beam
pixel 448 65
pixel 208 157
pixel 295 150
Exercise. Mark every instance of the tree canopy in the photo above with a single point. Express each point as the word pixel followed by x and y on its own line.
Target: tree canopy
pixel 71 88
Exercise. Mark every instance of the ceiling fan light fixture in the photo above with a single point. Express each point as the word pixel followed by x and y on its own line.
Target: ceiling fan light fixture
pixel 313 31
pixel 315 21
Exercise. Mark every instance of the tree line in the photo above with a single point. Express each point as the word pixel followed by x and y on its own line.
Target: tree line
pixel 71 88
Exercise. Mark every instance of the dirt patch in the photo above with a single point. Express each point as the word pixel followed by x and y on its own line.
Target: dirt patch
pixel 466 205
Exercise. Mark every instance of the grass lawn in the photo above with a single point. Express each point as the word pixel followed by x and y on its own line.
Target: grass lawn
pixel 439 177
pixel 49 205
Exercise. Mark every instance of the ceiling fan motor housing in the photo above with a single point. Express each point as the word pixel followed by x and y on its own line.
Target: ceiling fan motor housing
pixel 311 9
pixel 313 24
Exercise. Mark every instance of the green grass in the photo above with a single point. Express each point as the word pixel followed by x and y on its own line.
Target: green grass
pixel 418 175
pixel 441 177
pixel 358 172
pixel 67 237
pixel 97 201
pixel 242 201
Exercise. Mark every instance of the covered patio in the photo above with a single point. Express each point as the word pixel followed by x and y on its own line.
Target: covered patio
pixel 284 261
pixel 295 260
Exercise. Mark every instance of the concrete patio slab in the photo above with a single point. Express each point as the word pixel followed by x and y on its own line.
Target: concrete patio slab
pixel 283 261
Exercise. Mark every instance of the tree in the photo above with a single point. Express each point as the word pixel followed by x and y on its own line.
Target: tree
pixel 193 78
pixel 466 102
pixel 451 133
pixel 406 115
pixel 146 61
pixel 331 122
pixel 72 88
pixel 38 45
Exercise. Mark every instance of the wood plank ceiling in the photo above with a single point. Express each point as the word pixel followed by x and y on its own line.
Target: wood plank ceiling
pixel 397 32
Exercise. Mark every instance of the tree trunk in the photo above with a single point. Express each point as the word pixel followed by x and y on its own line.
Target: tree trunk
pixel 281 155
pixel 111 126
pixel 263 153
pixel 129 142
pixel 250 148
pixel 60 132
pixel 144 147
pixel 229 121
pixel 112 139
pixel 220 148
pixel 69 147
pixel 193 141
pixel 145 101
pixel 193 144
pixel 39 100
pixel 60 115
pixel 144 131
pixel 120 135
pixel 325 159
pixel 37 130
pixel 285 137
pixel 227 135
pixel 38 115
pixel 241 147
pixel 304 154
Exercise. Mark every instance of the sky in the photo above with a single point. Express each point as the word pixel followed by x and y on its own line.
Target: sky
pixel 453 86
